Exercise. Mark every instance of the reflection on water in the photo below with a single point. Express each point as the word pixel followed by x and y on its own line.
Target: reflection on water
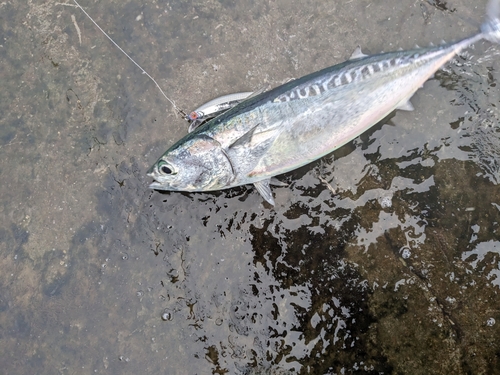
pixel 476 257
pixel 380 258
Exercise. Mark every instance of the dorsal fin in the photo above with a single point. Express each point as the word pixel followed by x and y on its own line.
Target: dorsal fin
pixel 256 92
pixel 357 54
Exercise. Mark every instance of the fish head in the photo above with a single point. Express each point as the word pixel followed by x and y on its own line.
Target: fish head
pixel 195 163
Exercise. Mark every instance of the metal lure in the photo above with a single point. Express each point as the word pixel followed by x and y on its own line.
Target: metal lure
pixel 213 108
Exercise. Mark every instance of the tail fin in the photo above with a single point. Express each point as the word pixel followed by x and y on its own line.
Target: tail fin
pixel 491 26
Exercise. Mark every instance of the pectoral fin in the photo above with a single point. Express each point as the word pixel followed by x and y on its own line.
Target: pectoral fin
pixel 244 139
pixel 258 136
pixel 264 190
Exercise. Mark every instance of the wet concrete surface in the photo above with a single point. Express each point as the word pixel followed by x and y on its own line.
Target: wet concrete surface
pixel 397 272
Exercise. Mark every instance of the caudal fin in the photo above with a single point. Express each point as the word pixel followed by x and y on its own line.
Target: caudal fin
pixel 491 26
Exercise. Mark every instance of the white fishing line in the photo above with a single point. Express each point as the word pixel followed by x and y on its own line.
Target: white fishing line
pixel 130 58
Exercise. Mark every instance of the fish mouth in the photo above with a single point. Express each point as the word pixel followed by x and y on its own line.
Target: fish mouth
pixel 155 184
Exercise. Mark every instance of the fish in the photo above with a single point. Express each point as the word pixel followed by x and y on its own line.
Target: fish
pixel 301 121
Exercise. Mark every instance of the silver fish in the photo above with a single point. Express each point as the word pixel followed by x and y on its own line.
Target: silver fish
pixel 301 121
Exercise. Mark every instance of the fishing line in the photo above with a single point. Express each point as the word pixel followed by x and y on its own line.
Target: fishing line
pixel 131 59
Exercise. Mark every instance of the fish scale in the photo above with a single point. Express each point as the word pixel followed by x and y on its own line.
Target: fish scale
pixel 301 121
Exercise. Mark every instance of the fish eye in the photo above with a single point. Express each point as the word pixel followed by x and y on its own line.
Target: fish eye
pixel 165 168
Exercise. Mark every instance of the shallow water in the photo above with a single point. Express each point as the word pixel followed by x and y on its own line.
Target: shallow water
pixel 383 257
